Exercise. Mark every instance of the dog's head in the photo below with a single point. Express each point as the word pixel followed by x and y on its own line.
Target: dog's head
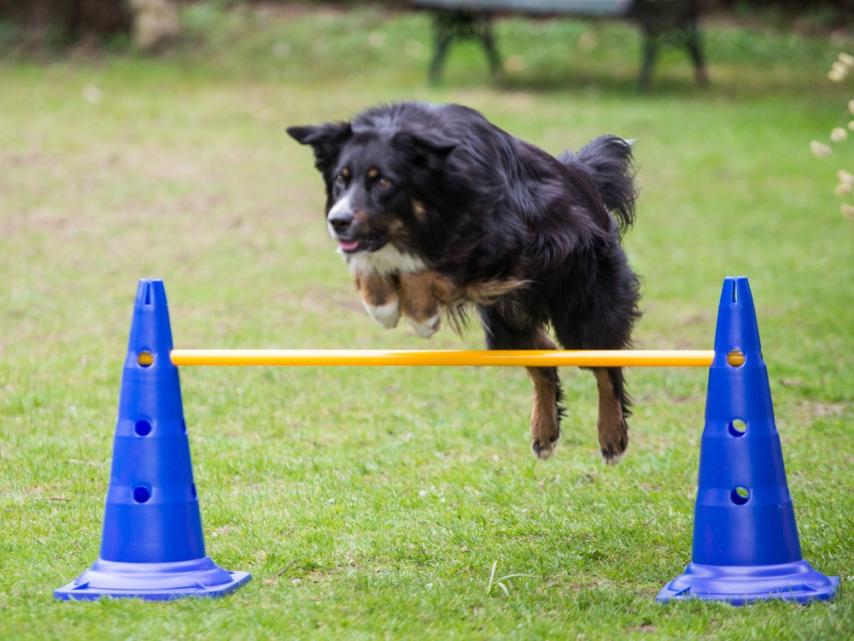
pixel 379 181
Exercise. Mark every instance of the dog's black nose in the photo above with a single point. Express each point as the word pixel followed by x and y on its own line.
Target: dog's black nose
pixel 340 221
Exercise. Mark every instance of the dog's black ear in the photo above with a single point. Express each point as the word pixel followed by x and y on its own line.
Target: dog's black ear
pixel 423 143
pixel 326 140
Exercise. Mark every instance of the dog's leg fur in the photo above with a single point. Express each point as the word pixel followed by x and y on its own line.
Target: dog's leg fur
pixel 379 297
pixel 606 325
pixel 418 302
pixel 613 410
pixel 503 333
pixel 546 412
pixel 418 296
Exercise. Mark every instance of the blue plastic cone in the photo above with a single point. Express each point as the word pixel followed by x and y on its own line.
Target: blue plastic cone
pixel 152 545
pixel 746 544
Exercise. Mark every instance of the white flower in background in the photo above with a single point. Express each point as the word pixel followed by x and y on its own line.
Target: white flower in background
pixel 837 72
pixel 840 67
pixel 92 94
pixel 845 187
pixel 820 149
pixel 846 182
pixel 838 134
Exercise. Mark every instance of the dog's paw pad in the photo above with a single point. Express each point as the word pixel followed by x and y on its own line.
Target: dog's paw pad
pixel 425 329
pixel 610 458
pixel 542 449
pixel 386 315
pixel 612 453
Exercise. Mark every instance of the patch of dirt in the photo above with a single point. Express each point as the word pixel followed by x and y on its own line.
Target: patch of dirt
pixel 21 158
pixel 643 627
pixel 821 409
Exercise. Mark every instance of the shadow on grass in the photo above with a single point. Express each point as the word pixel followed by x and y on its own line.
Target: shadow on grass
pixel 726 83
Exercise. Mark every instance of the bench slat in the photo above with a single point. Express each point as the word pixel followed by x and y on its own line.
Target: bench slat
pixel 602 8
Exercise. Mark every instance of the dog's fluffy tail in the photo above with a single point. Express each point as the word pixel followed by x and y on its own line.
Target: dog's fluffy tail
pixel 608 160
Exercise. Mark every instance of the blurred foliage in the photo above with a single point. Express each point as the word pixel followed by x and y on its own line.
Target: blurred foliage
pixel 57 22
pixel 801 6
pixel 818 13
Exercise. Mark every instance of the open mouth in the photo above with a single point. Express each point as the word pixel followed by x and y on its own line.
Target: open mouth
pixel 363 244
pixel 349 246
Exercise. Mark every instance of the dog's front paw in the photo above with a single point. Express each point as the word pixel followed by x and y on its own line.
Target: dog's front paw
pixel 387 314
pixel 425 328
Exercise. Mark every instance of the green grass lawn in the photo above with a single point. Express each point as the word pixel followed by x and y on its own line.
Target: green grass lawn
pixel 373 503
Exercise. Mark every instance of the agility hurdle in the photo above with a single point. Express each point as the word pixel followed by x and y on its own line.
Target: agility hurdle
pixel 444 358
pixel 745 548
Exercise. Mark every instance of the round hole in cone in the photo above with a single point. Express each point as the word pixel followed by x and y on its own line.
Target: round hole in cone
pixel 740 495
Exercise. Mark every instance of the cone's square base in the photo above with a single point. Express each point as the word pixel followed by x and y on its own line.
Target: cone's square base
pixel 739 585
pixel 152 581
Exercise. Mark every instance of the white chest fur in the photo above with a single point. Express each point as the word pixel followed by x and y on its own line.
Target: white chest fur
pixel 385 261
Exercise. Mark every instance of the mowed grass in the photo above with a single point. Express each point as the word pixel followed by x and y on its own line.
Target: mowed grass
pixel 373 503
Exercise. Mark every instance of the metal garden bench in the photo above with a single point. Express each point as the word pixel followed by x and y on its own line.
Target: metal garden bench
pixel 659 20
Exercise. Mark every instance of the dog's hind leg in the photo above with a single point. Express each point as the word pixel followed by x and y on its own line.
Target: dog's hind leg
pixel 546 412
pixel 613 410
pixel 503 333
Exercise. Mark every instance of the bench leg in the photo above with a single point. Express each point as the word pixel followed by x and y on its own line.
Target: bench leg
pixel 487 38
pixel 459 25
pixel 443 43
pixel 650 50
pixel 695 50
pixel 445 30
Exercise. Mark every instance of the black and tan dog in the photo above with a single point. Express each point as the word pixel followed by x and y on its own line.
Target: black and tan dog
pixel 434 207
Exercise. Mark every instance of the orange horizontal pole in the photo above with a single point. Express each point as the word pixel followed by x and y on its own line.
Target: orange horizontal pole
pixel 450 357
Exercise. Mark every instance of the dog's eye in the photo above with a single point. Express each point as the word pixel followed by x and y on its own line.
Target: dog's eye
pixel 383 183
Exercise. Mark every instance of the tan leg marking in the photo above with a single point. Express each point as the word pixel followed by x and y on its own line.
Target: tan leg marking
pixel 419 303
pixel 379 296
pixel 545 422
pixel 613 431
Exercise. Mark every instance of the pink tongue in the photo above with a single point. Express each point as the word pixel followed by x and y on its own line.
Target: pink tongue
pixel 348 246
